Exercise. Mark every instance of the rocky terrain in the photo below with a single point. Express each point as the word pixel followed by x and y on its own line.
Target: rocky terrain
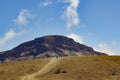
pixel 48 46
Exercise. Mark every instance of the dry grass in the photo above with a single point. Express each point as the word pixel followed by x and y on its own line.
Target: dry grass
pixel 68 68
pixel 85 68
pixel 14 70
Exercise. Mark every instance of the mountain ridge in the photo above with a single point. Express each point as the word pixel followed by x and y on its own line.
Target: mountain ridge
pixel 48 46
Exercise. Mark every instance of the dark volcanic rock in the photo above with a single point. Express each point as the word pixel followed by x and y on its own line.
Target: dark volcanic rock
pixel 48 46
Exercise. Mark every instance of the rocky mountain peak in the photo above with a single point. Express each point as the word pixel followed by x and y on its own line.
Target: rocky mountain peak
pixel 48 46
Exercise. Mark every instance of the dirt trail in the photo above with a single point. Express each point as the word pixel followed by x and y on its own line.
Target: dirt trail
pixel 52 63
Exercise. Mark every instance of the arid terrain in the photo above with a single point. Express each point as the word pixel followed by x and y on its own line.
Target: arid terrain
pixel 64 68
pixel 59 40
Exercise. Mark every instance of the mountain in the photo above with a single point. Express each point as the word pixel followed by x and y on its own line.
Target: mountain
pixel 48 46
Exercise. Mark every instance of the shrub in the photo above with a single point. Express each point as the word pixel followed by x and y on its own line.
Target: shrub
pixel 114 74
pixel 64 72
pixel 58 71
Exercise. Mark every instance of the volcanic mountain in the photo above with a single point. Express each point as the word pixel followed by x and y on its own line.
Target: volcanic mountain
pixel 48 46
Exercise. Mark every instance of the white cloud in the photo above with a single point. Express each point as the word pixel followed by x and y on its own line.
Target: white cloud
pixel 70 15
pixel 8 36
pixel 45 3
pixel 23 17
pixel 109 49
pixel 76 37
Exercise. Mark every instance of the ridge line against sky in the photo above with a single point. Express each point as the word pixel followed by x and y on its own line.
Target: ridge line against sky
pixel 85 21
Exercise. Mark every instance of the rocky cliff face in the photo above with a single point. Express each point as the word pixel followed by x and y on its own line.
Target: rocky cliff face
pixel 48 46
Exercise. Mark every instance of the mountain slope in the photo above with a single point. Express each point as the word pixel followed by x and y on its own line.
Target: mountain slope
pixel 68 68
pixel 49 66
pixel 48 46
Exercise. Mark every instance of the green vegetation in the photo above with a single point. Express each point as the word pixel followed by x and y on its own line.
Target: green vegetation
pixel 68 68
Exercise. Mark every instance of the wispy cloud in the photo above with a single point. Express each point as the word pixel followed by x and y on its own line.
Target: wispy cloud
pixel 76 37
pixel 70 15
pixel 20 33
pixel 109 49
pixel 45 3
pixel 8 36
pixel 11 34
pixel 23 17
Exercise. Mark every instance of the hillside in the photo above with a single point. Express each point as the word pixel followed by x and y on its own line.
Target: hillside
pixel 47 46
pixel 65 68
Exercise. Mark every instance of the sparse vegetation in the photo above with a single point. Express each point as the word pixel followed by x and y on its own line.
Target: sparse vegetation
pixel 64 72
pixel 85 68
pixel 14 70
pixel 58 71
pixel 69 68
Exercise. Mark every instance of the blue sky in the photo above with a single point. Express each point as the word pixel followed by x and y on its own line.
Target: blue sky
pixel 91 22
